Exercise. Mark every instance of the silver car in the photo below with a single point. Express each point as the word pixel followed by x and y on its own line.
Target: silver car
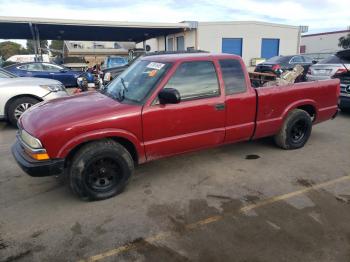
pixel 327 68
pixel 17 94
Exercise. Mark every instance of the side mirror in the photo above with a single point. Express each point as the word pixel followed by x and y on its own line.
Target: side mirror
pixel 314 61
pixel 169 96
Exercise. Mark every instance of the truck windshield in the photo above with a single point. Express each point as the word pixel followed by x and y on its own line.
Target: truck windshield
pixel 116 61
pixel 136 82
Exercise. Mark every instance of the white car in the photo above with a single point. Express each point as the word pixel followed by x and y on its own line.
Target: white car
pixel 17 94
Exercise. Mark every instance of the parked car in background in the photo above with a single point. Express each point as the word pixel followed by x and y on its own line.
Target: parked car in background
pixel 46 70
pixel 17 94
pixel 162 106
pixel 114 61
pixel 328 67
pixel 344 77
pixel 284 63
pixel 110 73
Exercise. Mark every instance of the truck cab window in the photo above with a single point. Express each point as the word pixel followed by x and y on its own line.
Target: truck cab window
pixel 195 80
pixel 233 76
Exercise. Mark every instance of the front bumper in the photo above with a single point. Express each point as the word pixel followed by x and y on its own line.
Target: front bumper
pixel 344 101
pixel 34 167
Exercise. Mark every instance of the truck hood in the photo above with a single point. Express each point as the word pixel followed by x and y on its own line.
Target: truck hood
pixel 78 113
pixel 27 81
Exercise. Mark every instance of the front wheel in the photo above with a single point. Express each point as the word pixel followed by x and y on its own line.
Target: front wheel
pixel 295 131
pixel 100 170
pixel 18 106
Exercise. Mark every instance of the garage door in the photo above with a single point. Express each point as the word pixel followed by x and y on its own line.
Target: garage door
pixel 232 46
pixel 269 47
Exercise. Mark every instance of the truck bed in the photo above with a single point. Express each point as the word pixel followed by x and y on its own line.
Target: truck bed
pixel 319 98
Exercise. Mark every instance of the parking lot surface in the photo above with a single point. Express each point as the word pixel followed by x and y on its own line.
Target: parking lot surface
pixel 242 202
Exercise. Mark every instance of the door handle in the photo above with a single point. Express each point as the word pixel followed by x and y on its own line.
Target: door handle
pixel 220 107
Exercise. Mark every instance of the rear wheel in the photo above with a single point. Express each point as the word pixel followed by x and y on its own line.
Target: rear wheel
pixel 18 106
pixel 100 170
pixel 295 130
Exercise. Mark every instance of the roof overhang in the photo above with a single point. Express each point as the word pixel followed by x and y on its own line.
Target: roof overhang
pixel 85 30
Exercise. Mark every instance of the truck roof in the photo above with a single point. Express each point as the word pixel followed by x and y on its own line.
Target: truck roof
pixel 188 56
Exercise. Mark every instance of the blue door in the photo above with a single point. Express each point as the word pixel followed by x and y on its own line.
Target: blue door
pixel 232 46
pixel 270 47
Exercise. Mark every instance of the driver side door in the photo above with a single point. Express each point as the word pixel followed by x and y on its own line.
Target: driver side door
pixel 198 121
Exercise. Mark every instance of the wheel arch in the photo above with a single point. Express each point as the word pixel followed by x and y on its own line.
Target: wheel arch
pixel 8 103
pixel 129 141
pixel 308 105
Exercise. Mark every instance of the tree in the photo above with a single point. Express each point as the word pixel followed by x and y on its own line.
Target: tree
pixel 344 42
pixel 9 48
pixel 56 47
pixel 43 45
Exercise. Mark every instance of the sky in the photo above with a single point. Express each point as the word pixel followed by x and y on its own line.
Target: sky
pixel 319 15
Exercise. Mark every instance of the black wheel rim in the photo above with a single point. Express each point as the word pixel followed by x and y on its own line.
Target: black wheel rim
pixel 102 174
pixel 298 131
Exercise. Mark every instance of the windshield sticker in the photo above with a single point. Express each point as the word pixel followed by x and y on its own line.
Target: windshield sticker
pixel 152 73
pixel 155 65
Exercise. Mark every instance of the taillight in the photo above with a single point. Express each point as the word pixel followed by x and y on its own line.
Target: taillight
pixel 340 71
pixel 276 67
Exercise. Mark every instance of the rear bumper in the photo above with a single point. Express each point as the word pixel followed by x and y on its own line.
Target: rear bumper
pixel 37 168
pixel 317 78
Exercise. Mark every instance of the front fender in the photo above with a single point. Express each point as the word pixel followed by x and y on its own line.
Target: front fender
pixel 100 134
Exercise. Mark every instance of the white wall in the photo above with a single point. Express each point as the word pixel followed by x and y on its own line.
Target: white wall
pixel 322 43
pixel 210 36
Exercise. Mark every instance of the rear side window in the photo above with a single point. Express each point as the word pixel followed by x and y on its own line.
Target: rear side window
pixel 233 76
pixel 195 80
pixel 297 59
pixel 31 67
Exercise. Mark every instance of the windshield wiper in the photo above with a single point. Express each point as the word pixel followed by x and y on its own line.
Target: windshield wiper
pixel 123 90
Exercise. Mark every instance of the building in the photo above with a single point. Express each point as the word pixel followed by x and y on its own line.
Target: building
pixel 326 42
pixel 94 51
pixel 248 39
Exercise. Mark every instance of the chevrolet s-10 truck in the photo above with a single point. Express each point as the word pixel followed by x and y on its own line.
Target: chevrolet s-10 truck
pixel 162 106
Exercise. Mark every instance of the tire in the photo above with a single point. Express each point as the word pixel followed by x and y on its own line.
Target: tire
pixel 295 130
pixel 345 109
pixel 17 108
pixel 100 170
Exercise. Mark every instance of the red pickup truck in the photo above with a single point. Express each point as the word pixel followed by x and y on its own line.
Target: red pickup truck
pixel 162 106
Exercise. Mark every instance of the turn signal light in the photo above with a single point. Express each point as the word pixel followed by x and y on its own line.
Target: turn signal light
pixel 41 156
pixel 340 71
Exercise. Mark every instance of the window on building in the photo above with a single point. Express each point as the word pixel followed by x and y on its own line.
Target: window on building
pixel 302 49
pixel 195 80
pixel 233 76
pixel 232 46
pixel 270 47
pixel 170 44
pixel 117 46
pixel 180 43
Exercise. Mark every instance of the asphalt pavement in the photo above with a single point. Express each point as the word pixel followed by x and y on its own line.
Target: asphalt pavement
pixel 243 202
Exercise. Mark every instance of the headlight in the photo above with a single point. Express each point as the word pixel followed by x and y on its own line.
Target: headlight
pixel 30 140
pixel 54 87
pixel 107 77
